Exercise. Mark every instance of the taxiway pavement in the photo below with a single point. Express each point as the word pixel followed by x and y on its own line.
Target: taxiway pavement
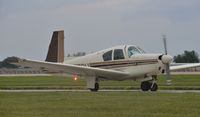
pixel 60 90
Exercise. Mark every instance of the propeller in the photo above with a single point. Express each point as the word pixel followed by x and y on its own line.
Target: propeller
pixel 167 65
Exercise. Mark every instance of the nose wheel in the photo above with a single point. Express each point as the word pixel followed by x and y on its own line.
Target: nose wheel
pixel 146 86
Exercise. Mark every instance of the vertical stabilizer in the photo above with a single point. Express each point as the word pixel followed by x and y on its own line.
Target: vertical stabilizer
pixel 56 47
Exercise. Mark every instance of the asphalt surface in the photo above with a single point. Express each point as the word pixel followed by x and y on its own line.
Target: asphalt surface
pixel 58 90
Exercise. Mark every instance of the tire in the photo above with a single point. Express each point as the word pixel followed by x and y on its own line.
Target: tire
pixel 154 87
pixel 145 86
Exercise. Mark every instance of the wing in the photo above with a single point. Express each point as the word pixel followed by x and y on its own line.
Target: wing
pixel 184 66
pixel 71 69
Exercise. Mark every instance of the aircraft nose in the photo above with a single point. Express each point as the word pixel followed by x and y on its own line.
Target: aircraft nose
pixel 166 59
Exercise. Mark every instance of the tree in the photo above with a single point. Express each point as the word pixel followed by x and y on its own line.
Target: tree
pixel 7 63
pixel 187 57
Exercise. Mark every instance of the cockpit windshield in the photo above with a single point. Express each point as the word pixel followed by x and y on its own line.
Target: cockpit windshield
pixel 141 50
pixel 133 50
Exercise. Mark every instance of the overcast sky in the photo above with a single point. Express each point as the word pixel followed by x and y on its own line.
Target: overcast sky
pixel 26 26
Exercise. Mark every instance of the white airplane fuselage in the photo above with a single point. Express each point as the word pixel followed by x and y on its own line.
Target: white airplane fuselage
pixel 139 64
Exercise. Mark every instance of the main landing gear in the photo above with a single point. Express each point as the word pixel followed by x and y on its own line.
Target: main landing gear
pixel 96 87
pixel 147 85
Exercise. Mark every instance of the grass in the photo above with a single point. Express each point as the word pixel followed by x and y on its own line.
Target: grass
pixel 39 82
pixel 58 82
pixel 101 104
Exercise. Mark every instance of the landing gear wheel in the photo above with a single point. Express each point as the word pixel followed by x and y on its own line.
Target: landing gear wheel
pixel 145 86
pixel 96 87
pixel 154 87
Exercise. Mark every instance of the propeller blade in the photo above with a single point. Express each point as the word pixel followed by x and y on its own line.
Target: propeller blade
pixel 165 44
pixel 167 66
pixel 168 74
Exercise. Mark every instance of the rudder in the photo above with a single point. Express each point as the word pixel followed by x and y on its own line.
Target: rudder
pixel 56 47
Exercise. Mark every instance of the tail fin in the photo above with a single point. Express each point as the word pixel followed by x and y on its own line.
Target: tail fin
pixel 56 47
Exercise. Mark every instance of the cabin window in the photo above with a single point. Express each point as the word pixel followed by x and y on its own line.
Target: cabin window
pixel 118 54
pixel 107 56
pixel 133 50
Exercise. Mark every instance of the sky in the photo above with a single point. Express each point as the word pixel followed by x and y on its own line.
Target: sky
pixel 26 26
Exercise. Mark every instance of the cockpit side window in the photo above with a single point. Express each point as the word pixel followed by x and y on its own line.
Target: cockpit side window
pixel 118 54
pixel 133 50
pixel 107 56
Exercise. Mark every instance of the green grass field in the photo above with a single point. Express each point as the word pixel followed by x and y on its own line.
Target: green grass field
pixel 58 82
pixel 101 104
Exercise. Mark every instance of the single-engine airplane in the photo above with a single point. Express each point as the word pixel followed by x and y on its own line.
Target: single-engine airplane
pixel 119 63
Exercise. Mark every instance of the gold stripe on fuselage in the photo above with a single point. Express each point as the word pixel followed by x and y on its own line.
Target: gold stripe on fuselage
pixel 121 63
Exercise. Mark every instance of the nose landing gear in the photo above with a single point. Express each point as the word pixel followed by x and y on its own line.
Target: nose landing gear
pixel 149 85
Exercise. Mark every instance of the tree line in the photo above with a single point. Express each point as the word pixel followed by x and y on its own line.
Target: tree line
pixel 7 63
pixel 187 57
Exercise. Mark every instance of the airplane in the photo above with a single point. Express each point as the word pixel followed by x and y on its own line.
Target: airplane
pixel 123 62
